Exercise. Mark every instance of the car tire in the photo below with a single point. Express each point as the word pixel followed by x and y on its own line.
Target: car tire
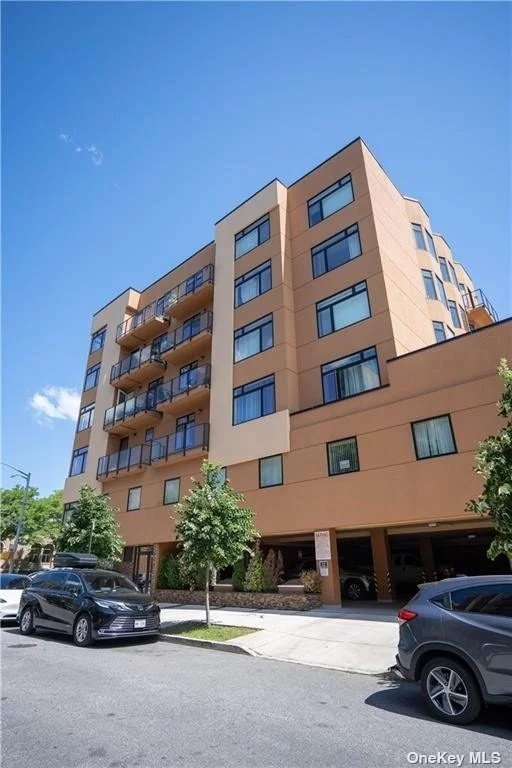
pixel 353 589
pixel 451 691
pixel 27 622
pixel 82 631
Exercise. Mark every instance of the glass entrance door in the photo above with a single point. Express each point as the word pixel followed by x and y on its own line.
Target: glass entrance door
pixel 143 568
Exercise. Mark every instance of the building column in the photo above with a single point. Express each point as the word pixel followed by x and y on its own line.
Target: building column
pixel 382 565
pixel 427 559
pixel 331 592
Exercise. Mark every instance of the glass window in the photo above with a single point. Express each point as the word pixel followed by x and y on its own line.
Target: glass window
pixel 134 496
pixel 149 434
pixel 441 292
pixel 462 314
pixel 453 276
pixel 455 314
pixel 444 269
pixel 433 437
pixel 223 475
pixel 14 581
pixel 439 331
pixel 85 417
pixel 336 251
pixel 172 491
pixel 254 400
pixel 449 332
pixel 98 339
pixel 72 584
pixel 494 599
pixel 430 244
pixel 462 288
pixel 128 554
pixel 78 461
pixel 254 338
pixel 350 375
pixel 343 309
pixel 69 508
pixel 428 282
pixel 342 456
pixel 252 236
pixel 253 283
pixel 418 237
pixel 91 377
pixel 329 201
pixel 55 580
pixel 271 471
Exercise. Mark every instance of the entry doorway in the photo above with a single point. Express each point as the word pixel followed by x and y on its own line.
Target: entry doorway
pixel 143 568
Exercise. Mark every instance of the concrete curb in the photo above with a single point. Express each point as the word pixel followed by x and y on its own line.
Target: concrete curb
pixel 196 642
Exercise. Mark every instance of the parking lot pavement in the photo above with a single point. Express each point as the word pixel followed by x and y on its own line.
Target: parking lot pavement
pixel 150 704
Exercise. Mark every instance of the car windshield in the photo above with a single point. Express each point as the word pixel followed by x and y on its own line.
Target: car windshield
pixel 108 583
pixel 13 581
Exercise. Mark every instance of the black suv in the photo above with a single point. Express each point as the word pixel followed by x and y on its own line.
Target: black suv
pixel 87 603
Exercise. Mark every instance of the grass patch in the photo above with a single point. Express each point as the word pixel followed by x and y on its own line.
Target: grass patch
pixel 198 630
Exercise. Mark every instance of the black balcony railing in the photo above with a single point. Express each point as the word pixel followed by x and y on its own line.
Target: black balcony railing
pixel 130 408
pixel 142 317
pixel 203 321
pixel 189 286
pixel 135 360
pixel 129 458
pixel 190 437
pixel 183 384
pixel 476 299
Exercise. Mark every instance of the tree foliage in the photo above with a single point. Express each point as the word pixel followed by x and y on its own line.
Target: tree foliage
pixel 494 464
pixel 42 518
pixel 106 543
pixel 213 526
pixel 238 576
pixel 270 572
pixel 170 576
pixel 255 576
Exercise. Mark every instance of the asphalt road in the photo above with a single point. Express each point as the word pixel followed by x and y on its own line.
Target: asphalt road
pixel 155 704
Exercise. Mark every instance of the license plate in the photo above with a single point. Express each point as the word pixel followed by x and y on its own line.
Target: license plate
pixel 139 623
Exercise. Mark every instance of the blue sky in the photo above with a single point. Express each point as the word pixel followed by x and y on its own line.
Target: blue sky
pixel 183 110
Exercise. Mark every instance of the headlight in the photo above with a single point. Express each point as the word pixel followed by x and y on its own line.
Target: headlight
pixel 106 604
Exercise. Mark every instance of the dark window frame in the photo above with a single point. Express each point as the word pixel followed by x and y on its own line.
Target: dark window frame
pixel 431 246
pixel 171 480
pixel 84 451
pixel 440 289
pixel 415 231
pixel 93 369
pixel 452 307
pixel 442 328
pixel 437 455
pixel 346 471
pixel 98 334
pixel 445 272
pixel 250 228
pixel 255 273
pixel 334 304
pixel 426 275
pixel 321 248
pixel 135 488
pixel 350 365
pixel 320 196
pixel 265 458
pixel 256 389
pixel 85 409
pixel 239 333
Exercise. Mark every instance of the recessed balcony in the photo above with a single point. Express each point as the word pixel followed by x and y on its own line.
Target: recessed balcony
pixel 192 294
pixel 133 414
pixel 185 393
pixel 188 341
pixel 190 442
pixel 479 309
pixel 129 460
pixel 145 325
pixel 137 369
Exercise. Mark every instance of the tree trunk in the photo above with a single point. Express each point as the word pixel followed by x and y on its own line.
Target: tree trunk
pixel 207 596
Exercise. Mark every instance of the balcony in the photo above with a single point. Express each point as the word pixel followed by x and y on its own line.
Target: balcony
pixel 479 309
pixel 132 460
pixel 145 325
pixel 187 341
pixel 192 294
pixel 133 414
pixel 185 393
pixel 186 443
pixel 136 369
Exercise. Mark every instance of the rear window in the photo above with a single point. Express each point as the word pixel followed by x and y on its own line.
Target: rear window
pixel 49 580
pixel 443 601
pixel 493 599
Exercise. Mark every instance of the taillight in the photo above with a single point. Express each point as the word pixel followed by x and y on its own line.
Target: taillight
pixel 406 615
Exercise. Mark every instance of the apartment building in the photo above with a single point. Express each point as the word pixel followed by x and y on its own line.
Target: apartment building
pixel 328 350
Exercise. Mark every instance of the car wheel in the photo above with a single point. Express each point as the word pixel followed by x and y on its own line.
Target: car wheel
pixel 27 622
pixel 451 691
pixel 82 634
pixel 354 589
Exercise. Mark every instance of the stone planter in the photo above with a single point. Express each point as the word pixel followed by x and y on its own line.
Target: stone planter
pixel 291 589
pixel 223 587
pixel 223 599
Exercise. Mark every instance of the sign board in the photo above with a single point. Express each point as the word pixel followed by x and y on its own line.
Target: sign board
pixel 322 545
pixel 344 464
pixel 323 565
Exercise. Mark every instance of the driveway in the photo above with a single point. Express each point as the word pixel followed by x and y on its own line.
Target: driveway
pixel 155 705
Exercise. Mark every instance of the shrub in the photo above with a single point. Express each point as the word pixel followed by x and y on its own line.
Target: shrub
pixel 254 578
pixel 170 576
pixel 238 576
pixel 280 567
pixel 192 578
pixel 312 581
pixel 270 574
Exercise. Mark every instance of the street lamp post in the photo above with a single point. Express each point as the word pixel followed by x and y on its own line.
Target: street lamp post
pixel 26 476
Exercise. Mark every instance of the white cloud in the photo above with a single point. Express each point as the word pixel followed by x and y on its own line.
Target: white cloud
pixel 94 153
pixel 55 403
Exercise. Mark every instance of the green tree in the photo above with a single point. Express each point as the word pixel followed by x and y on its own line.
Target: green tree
pixel 238 575
pixel 170 576
pixel 42 518
pixel 270 573
pixel 93 527
pixel 494 464
pixel 213 525
pixel 10 504
pixel 255 576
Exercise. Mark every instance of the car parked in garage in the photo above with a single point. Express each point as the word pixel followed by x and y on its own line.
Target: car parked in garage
pixel 11 589
pixel 88 604
pixel 356 583
pixel 456 638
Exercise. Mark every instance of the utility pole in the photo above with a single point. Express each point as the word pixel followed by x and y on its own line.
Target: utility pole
pixel 26 476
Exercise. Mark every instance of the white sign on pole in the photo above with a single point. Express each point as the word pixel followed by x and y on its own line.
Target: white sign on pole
pixel 324 567
pixel 322 545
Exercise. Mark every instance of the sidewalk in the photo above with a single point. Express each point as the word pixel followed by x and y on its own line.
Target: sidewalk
pixel 353 639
